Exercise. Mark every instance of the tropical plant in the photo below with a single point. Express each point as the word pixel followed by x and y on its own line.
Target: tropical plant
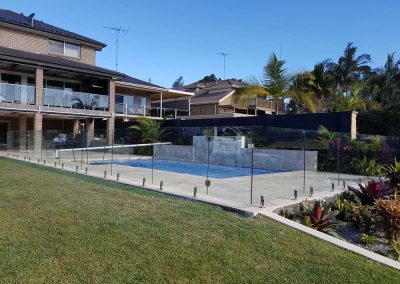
pixel 325 136
pixel 317 216
pixel 350 68
pixel 348 101
pixel 79 103
pixel 384 83
pixel 208 132
pixel 301 94
pixel 150 130
pixel 274 83
pixel 346 208
pixel 369 239
pixel 393 174
pixel 321 84
pixel 389 211
pixel 368 167
pixel 396 247
pixel 367 194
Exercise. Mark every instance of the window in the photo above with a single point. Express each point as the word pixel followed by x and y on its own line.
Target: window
pixel 72 50
pixel 64 48
pixel 56 47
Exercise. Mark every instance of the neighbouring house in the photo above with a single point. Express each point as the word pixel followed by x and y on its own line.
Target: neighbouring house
pixel 50 82
pixel 217 99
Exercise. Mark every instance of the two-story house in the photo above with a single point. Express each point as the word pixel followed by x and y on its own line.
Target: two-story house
pixel 218 99
pixel 50 81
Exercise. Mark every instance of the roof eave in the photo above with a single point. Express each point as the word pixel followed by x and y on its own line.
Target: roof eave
pixel 93 43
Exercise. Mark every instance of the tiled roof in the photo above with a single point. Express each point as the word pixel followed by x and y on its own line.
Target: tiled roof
pixel 132 80
pixel 50 61
pixel 204 97
pixel 11 17
pixel 219 84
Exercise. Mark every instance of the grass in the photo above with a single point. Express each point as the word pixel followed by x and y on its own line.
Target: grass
pixel 60 227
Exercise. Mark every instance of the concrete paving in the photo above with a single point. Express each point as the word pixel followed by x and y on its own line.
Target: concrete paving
pixel 276 188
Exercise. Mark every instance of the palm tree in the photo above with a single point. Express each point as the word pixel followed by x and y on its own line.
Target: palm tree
pixel 150 130
pixel 321 84
pixel 79 103
pixel 350 68
pixel 274 83
pixel 349 102
pixel 301 93
pixel 275 79
pixel 384 84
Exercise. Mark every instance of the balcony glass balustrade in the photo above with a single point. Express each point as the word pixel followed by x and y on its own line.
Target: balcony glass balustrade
pixel 130 105
pixel 71 99
pixel 17 94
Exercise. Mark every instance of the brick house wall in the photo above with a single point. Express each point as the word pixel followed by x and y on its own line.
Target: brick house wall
pixel 203 109
pixel 34 43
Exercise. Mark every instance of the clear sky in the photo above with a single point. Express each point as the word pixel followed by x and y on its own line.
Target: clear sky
pixel 169 38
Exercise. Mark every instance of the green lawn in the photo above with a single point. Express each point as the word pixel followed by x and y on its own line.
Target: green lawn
pixel 58 227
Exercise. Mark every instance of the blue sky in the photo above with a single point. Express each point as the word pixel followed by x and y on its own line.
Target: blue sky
pixel 169 38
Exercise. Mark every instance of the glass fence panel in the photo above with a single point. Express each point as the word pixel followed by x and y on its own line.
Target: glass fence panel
pixel 243 165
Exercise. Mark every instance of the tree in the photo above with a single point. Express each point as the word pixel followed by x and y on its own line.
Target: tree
pixel 274 83
pixel 275 79
pixel 384 84
pixel 321 84
pixel 301 94
pixel 209 79
pixel 178 82
pixel 150 130
pixel 350 68
pixel 77 102
pixel 349 102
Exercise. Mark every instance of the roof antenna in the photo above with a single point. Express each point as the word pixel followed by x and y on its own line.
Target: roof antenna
pixel 117 30
pixel 224 55
pixel 30 17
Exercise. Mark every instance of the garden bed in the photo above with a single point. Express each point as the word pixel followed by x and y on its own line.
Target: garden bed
pixel 367 216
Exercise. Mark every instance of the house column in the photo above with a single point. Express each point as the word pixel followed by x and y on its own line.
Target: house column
pixel 111 106
pixel 38 117
pixel 39 86
pixel 37 131
pixel 22 131
pixel 75 130
pixel 89 131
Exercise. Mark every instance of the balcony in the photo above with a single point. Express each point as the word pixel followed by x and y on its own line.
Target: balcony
pixel 75 100
pixel 17 94
pixel 267 105
pixel 143 110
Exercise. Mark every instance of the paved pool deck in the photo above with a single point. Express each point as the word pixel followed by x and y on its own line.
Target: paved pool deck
pixel 276 188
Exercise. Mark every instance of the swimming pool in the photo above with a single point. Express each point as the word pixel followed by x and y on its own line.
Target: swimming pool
pixel 197 169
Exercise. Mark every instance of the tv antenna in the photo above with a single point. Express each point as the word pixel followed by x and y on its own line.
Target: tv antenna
pixel 224 54
pixel 117 31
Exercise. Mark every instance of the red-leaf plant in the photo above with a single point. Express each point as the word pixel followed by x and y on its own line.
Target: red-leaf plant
pixel 367 194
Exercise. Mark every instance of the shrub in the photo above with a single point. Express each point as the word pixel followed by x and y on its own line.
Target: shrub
pixel 393 174
pixel 389 211
pixel 369 193
pixel 316 215
pixel 368 239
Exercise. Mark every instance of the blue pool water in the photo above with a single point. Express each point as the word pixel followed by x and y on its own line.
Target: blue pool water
pixel 215 171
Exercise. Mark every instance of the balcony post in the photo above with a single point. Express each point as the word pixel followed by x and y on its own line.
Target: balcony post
pixel 161 104
pixel 111 106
